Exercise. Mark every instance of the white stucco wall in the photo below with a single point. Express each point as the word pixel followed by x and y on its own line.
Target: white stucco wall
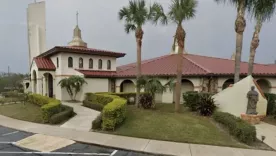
pixel 234 99
pixel 65 70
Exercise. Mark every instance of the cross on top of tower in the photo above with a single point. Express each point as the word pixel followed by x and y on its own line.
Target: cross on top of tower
pixel 77 17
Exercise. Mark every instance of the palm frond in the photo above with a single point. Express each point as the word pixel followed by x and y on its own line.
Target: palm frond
pixel 262 10
pixel 157 14
pixel 124 13
pixel 129 27
pixel 181 10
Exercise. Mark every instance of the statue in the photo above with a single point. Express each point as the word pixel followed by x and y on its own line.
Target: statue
pixel 253 98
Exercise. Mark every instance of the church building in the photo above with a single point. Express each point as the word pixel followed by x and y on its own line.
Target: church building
pixel 100 70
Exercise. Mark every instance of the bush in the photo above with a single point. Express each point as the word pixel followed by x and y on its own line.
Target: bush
pixel 242 130
pixel 191 100
pixel 271 104
pixel 49 106
pixel 89 104
pixel 114 113
pixel 145 101
pixel 206 105
pixel 201 102
pixel 96 124
pixel 66 113
pixel 98 98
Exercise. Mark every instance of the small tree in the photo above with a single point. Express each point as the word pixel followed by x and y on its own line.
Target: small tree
pixel 72 85
pixel 153 86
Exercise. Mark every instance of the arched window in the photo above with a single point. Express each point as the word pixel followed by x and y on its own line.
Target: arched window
pixel 100 65
pixel 91 63
pixel 108 64
pixel 70 62
pixel 80 63
pixel 57 63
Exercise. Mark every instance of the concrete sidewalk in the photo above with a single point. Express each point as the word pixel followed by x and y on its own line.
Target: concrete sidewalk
pixel 269 131
pixel 83 120
pixel 129 143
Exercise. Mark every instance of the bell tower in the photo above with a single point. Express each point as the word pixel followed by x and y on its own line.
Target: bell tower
pixel 77 40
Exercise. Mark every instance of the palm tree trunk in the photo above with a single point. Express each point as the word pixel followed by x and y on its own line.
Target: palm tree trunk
pixel 254 45
pixel 240 25
pixel 139 36
pixel 180 35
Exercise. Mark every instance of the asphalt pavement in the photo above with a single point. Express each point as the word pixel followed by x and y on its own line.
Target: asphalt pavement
pixel 9 136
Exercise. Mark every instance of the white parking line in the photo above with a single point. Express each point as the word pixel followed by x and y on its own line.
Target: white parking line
pixel 56 153
pixel 10 133
pixel 114 152
pixel 6 142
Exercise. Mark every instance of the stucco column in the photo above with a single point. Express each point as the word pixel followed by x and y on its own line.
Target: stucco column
pixel 39 86
pixel 117 89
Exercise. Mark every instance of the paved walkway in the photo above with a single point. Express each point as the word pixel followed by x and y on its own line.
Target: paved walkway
pixel 269 131
pixel 83 120
pixel 129 143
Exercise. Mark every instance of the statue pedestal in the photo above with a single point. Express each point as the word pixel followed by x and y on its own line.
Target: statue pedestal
pixel 252 119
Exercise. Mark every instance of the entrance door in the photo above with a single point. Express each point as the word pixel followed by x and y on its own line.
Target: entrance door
pixel 50 85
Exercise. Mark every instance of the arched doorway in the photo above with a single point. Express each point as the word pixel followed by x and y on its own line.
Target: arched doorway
pixel 34 82
pixel 187 86
pixel 264 85
pixel 127 86
pixel 227 83
pixel 49 84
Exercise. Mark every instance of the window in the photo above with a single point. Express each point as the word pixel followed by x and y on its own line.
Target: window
pixel 108 64
pixel 57 63
pixel 70 62
pixel 100 65
pixel 90 63
pixel 80 63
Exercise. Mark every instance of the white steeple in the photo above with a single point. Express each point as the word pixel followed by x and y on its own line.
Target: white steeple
pixel 77 40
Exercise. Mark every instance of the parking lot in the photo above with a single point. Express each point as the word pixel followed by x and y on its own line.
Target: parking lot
pixel 10 137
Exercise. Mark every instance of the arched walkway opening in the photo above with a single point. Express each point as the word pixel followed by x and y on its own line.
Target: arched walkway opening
pixel 34 82
pixel 49 84
pixel 127 86
pixel 264 85
pixel 227 83
pixel 187 86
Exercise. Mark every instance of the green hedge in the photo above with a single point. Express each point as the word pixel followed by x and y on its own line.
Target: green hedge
pixel 271 104
pixel 242 130
pixel 97 123
pixel 114 113
pixel 95 106
pixel 129 96
pixel 48 105
pixel 66 113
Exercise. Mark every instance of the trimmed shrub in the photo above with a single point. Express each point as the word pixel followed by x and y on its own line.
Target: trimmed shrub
pixel 114 113
pixel 89 104
pixel 66 113
pixel 271 104
pixel 242 130
pixel 98 98
pixel 96 124
pixel 191 100
pixel 49 106
pixel 206 105
pixel 145 101
pixel 200 102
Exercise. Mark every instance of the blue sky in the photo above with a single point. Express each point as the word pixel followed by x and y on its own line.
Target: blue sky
pixel 211 33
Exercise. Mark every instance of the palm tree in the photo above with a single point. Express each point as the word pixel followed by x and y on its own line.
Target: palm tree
pixel 261 10
pixel 135 15
pixel 153 85
pixel 179 11
pixel 240 25
pixel 72 85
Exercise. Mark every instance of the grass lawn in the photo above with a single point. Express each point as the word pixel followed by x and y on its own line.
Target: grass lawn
pixel 28 112
pixel 164 124
pixel 270 120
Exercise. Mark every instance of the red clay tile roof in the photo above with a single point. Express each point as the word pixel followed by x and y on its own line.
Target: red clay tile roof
pixel 193 65
pixel 80 50
pixel 44 63
pixel 97 73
